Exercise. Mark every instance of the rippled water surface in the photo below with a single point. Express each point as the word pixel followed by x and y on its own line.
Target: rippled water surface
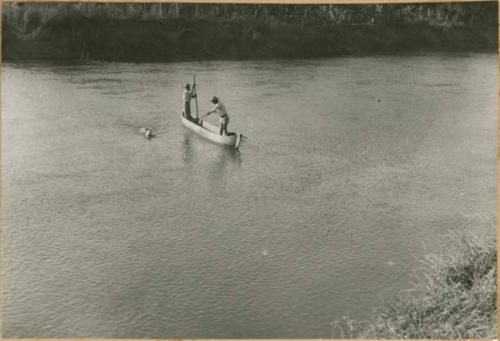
pixel 353 169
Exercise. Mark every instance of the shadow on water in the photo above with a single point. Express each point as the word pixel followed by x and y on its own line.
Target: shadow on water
pixel 188 152
pixel 230 154
pixel 225 155
pixel 216 162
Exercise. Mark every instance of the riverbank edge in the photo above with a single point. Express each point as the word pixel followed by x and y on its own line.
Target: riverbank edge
pixel 93 39
pixel 453 296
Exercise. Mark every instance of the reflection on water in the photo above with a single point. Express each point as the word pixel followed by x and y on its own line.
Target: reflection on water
pixel 230 154
pixel 225 153
pixel 215 162
pixel 226 156
pixel 352 165
pixel 188 151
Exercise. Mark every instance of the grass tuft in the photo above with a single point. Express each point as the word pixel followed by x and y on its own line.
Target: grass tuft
pixel 454 296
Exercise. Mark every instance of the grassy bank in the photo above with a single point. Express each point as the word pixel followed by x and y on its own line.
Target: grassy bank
pixel 454 295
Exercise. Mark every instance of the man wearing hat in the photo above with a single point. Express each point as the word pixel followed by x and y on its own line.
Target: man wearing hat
pixel 187 96
pixel 223 116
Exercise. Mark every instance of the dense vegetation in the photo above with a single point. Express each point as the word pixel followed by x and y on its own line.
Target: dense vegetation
pixel 454 297
pixel 167 31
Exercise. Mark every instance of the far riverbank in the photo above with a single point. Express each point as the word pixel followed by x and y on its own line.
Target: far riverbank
pixel 210 32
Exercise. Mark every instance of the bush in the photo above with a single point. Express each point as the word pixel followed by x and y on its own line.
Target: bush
pixel 454 296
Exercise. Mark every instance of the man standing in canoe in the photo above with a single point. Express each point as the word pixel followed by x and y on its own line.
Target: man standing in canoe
pixel 223 116
pixel 186 97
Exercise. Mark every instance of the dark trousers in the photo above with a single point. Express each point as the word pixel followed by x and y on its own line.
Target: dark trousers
pixel 224 121
pixel 187 110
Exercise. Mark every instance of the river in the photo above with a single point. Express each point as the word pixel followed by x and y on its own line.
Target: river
pixel 354 168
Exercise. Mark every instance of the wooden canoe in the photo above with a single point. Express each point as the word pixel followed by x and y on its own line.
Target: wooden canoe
pixel 211 132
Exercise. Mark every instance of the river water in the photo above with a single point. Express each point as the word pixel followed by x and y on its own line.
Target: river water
pixel 354 168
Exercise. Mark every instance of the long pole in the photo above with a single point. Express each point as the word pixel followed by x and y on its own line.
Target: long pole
pixel 196 98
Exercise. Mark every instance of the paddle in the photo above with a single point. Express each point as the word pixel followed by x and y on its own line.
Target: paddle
pixel 196 97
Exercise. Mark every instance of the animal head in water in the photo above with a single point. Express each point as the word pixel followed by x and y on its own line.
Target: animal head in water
pixel 148 132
